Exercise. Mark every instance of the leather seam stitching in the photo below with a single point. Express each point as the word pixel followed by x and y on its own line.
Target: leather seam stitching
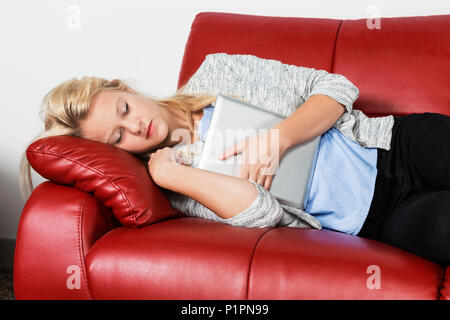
pixel 335 44
pixel 250 262
pixel 80 243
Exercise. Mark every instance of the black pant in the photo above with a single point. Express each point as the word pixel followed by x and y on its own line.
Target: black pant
pixel 410 208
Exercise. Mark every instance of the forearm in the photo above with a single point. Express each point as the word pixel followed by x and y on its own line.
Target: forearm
pixel 223 194
pixel 314 117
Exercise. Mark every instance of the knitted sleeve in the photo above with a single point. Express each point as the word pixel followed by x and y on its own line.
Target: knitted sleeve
pixel 264 211
pixel 336 86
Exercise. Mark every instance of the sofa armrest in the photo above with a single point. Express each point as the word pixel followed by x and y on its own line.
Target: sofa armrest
pixel 58 226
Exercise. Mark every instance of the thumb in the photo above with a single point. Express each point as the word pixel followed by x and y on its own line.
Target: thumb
pixel 230 151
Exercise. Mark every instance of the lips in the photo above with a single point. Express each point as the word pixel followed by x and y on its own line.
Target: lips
pixel 149 128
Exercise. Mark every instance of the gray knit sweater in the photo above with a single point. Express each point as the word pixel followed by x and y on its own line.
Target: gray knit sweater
pixel 281 88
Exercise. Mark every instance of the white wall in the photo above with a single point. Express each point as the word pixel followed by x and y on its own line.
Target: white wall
pixel 139 41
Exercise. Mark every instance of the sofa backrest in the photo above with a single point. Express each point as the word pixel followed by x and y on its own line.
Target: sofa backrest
pixel 401 68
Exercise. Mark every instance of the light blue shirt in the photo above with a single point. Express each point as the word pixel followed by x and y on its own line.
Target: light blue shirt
pixel 339 203
pixel 343 183
pixel 203 125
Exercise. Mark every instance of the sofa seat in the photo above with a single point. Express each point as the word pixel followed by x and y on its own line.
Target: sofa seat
pixel 192 258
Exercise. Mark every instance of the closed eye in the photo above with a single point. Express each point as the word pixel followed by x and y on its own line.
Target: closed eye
pixel 126 111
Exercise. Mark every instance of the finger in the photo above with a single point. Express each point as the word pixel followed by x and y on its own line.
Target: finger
pixel 261 180
pixel 268 182
pixel 243 172
pixel 232 150
pixel 253 173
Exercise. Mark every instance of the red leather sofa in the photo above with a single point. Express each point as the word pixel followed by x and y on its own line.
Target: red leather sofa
pixel 71 246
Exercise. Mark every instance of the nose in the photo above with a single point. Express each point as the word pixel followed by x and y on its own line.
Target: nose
pixel 136 127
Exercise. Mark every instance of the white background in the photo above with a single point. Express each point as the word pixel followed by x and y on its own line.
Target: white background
pixel 139 41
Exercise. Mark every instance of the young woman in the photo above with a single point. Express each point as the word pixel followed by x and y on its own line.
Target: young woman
pixel 399 196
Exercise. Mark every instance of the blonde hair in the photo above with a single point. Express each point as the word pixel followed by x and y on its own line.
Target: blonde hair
pixel 68 103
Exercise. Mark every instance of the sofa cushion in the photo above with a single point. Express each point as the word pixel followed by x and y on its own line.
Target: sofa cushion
pixel 259 264
pixel 333 265
pixel 117 178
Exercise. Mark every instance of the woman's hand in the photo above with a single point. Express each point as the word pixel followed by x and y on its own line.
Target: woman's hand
pixel 261 154
pixel 159 161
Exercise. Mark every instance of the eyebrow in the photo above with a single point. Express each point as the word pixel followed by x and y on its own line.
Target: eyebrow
pixel 117 113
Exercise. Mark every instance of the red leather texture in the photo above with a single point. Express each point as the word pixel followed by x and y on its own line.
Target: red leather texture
pixel 192 258
pixel 445 290
pixel 300 41
pixel 322 264
pixel 183 258
pixel 58 226
pixel 401 68
pixel 117 178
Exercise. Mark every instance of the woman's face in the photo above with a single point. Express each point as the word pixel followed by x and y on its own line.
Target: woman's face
pixel 122 119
